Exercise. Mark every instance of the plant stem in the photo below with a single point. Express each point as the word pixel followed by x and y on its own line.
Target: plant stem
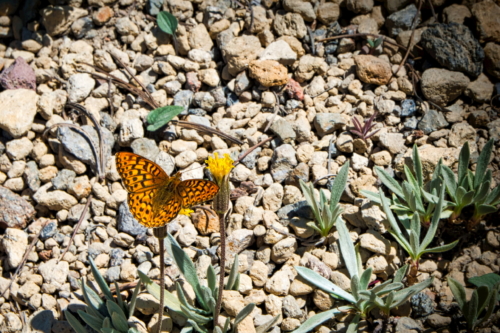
pixel 222 264
pixel 161 233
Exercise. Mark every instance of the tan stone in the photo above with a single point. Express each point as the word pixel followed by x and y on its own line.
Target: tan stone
pixel 372 70
pixel 268 73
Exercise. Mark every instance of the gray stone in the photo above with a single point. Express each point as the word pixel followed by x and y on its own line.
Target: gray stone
pixel 421 305
pixel 63 178
pixel 145 147
pixel 18 108
pixel 291 308
pixel 79 87
pixel 432 121
pixel 15 211
pixel 31 176
pixel 127 223
pixel 326 123
pixel 402 20
pixel 183 98
pixel 284 130
pixel 41 321
pixel 283 161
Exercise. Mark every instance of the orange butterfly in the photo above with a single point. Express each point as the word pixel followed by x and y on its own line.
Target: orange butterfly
pixel 154 198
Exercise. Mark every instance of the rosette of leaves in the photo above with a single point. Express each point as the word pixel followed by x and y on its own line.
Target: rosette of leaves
pixel 200 315
pixel 104 316
pixel 479 308
pixel 372 45
pixel 364 131
pixel 472 188
pixel 385 296
pixel 326 212
pixel 412 196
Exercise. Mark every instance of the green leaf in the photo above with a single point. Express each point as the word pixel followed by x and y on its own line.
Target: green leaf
pixel 75 324
pixel 353 325
pixel 364 280
pixel 171 301
pixel 458 292
pixel 442 248
pixel 96 306
pixel 186 267
pixel 484 210
pixel 483 294
pixel 202 320
pixel 470 310
pixel 326 285
pixel 449 181
pixel 417 166
pixel 482 163
pixel 431 232
pixel 389 181
pixel 212 279
pixel 338 185
pixel 133 300
pixel 161 116
pixel 265 327
pixel 318 319
pixel 481 192
pixel 167 22
pixel 108 330
pixel 491 305
pixel 489 280
pixel 400 273
pixel 92 321
pixel 463 162
pixel 118 318
pixel 308 191
pixel 119 300
pixel 233 274
pixel 347 249
pixel 196 326
pixel 100 280
pixel 372 196
pixel 243 313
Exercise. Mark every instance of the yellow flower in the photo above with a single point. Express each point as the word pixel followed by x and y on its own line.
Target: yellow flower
pixel 186 211
pixel 220 167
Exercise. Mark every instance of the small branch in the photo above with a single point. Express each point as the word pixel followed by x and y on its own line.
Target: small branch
pixel 160 233
pixel 77 226
pixel 251 149
pixel 110 99
pixel 222 265
pixel 275 113
pixel 206 129
pixel 311 38
pixel 25 257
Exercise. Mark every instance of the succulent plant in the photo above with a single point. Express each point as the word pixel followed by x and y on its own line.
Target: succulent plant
pixel 104 316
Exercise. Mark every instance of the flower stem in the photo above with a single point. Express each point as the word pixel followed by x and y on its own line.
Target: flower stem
pixel 222 264
pixel 161 233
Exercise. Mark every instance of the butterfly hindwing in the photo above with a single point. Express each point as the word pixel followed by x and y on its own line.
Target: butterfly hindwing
pixel 139 173
pixel 196 191
pixel 142 208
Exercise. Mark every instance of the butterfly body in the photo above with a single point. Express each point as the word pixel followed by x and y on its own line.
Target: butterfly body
pixel 154 198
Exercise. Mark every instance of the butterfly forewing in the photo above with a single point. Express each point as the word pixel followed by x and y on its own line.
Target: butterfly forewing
pixel 138 173
pixel 196 191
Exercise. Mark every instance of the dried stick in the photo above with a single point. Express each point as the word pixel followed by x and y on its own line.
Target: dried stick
pixel 110 99
pixel 25 257
pixel 77 226
pixel 222 264
pixel 251 149
pixel 206 129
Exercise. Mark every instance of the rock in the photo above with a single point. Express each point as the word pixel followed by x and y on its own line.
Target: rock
pixel 394 142
pixel 278 284
pixel 232 302
pixel 408 325
pixel 402 20
pixel 79 87
pixel 308 66
pixel 429 156
pixel 443 40
pixel 17 111
pixel 328 12
pixel 124 26
pixel 289 24
pixel 239 240
pixel 58 19
pixel 279 51
pixel 209 76
pixel 456 13
pixel 326 123
pixel 442 86
pixel 480 90
pixel 127 223
pixel 19 75
pixel 239 52
pixel 102 15
pixel 487 16
pixel 259 273
pixel 283 250
pixel 375 242
pixel 146 148
pixel 479 119
pixel 372 70
pixel 302 7
pixel 14 244
pixel 54 200
pixel 492 59
pixel 381 158
pixel 19 149
pixel 268 73
pixel 461 133
pixel 421 305
pixel 15 211
pixel 436 320
pixel 432 121
pixel 282 162
pixel 284 130
pixel 360 7
pixel 294 90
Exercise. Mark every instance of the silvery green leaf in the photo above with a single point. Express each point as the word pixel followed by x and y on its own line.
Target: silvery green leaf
pixel 491 304
pixel 106 323
pixel 108 330
pixel 355 286
pixel 133 330
pixel 96 306
pixel 338 186
pixel 372 196
pixel 100 280
pixel 406 293
pixel 347 249
pixel 400 273
pixel 199 319
pixel 92 321
pixel 226 326
pixel 353 325
pixel 187 329
pixel 463 162
pixel 217 329
pixel 119 300
pixel 470 310
pixel 233 274
pixel 243 313
pixel 167 22
pixel 265 327
pixel 483 296
pixel 458 292
pixel 75 324
pixel 389 182
pixel 212 279
pixel 442 248
pixel 417 166
pixel 197 327
pixel 171 301
pixel 481 192
pixel 364 280
pixel 318 319
pixel 326 285
pixel 431 232
pixel 133 300
pixel 482 163
pixel 118 317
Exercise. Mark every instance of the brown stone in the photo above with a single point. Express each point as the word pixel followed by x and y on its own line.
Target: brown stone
pixel 268 73
pixel 205 227
pixel 487 16
pixel 372 70
pixel 102 15
pixel 492 59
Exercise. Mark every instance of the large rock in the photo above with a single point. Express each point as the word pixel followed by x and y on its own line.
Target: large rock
pixel 372 70
pixel 301 7
pixel 487 16
pixel 268 73
pixel 492 59
pixel 58 19
pixel 453 46
pixel 429 156
pixel 14 244
pixel 15 211
pixel 239 52
pixel 17 111
pixel 289 24
pixel 402 20
pixel 442 86
pixel 19 75
pixel 279 51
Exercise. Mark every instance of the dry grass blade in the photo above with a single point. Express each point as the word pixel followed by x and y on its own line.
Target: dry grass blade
pixel 251 149
pixel 25 258
pixel 206 129
pixel 77 226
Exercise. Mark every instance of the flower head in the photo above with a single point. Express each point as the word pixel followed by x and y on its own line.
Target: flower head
pixel 220 167
pixel 186 211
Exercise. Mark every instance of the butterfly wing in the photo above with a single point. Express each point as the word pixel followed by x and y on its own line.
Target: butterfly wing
pixel 138 173
pixel 196 191
pixel 141 206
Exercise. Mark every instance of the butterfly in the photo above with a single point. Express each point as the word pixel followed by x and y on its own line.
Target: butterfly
pixel 154 198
